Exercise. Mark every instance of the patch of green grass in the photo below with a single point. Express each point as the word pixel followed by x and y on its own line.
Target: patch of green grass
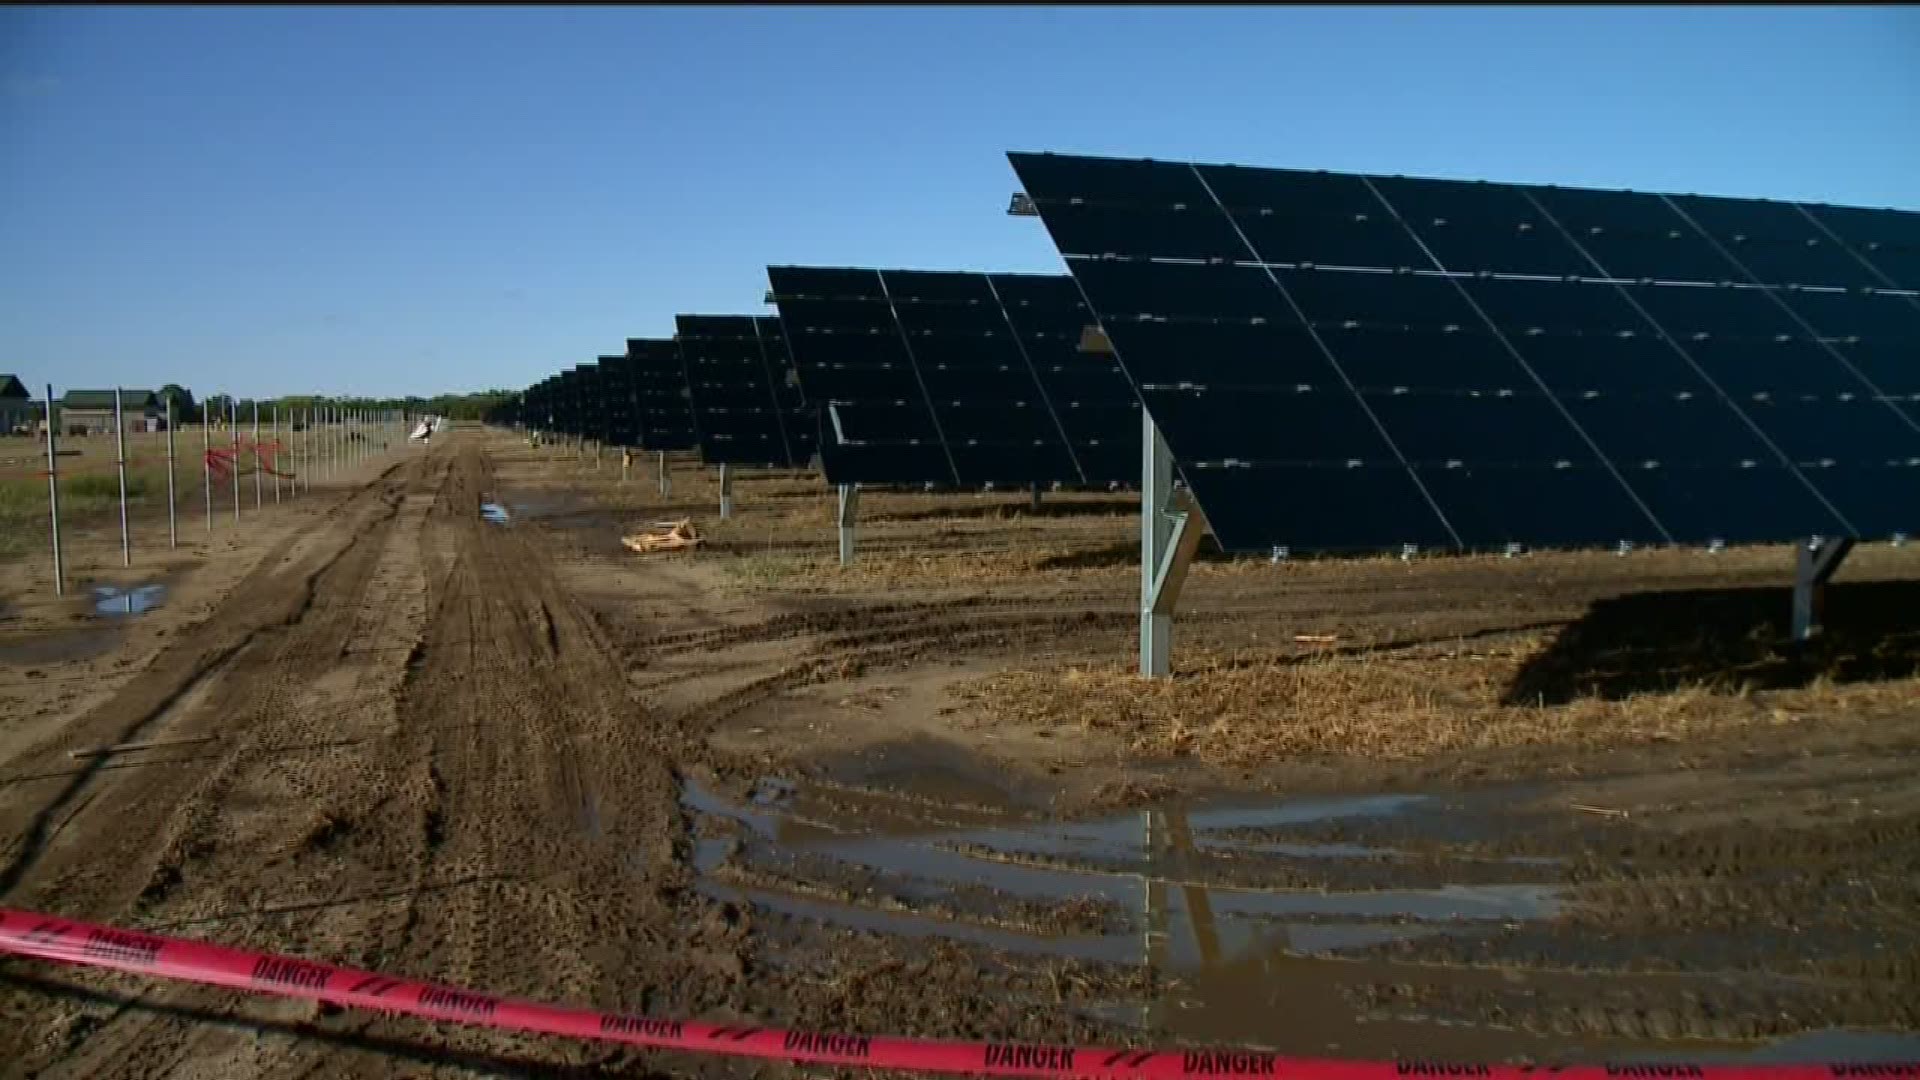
pixel 23 499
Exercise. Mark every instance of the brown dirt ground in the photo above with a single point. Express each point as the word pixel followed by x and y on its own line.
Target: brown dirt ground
pixel 451 749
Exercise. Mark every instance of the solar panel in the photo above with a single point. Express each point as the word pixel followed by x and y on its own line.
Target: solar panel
pixel 660 394
pixel 1358 362
pixel 955 378
pixel 618 419
pixel 745 410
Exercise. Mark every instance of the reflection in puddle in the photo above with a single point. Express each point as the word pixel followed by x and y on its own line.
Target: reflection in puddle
pixel 542 504
pixel 110 600
pixel 1228 944
pixel 495 513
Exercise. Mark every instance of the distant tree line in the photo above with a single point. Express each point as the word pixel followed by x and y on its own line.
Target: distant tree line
pixel 473 406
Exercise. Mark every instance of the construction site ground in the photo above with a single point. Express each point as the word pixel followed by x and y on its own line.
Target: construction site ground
pixel 1559 807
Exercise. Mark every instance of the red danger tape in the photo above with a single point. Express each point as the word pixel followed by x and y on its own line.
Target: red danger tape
pixel 67 941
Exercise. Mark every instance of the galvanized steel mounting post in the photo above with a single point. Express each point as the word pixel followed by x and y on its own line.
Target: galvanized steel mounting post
pixel 1170 532
pixel 848 510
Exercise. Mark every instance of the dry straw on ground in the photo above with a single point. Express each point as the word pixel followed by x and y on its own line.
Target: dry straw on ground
pixel 1249 710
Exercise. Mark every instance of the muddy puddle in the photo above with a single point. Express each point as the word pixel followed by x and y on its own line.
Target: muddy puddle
pixel 495 513
pixel 1242 929
pixel 532 505
pixel 117 601
pixel 41 649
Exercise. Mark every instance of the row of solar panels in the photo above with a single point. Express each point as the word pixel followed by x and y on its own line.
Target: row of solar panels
pixel 1359 362
pixel 890 377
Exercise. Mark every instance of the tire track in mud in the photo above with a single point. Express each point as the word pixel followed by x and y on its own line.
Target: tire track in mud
pixel 553 798
pixel 223 830
pixel 270 599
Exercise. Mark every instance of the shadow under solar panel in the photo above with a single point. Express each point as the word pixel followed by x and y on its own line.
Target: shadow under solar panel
pixel 1535 365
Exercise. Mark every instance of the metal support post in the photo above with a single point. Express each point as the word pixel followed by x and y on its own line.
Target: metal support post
pixel 173 520
pixel 53 493
pixel 206 461
pixel 626 464
pixel 666 481
pixel 726 492
pixel 120 453
pixel 848 510
pixel 259 464
pixel 1170 532
pixel 1814 564
pixel 276 453
pixel 233 443
pixel 1036 495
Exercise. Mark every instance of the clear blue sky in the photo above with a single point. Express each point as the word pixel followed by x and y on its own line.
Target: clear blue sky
pixel 410 200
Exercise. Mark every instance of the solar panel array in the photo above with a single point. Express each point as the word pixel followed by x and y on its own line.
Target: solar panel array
pixel 1357 362
pixel 955 378
pixel 660 394
pixel 744 408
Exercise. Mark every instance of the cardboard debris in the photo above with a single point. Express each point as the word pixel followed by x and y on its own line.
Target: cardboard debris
pixel 664 536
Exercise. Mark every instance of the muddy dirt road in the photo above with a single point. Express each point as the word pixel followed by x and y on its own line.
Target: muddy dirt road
pixel 916 797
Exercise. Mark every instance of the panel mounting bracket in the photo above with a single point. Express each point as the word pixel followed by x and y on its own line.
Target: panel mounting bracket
pixel 1021 205
pixel 847 511
pixel 1171 527
pixel 1815 561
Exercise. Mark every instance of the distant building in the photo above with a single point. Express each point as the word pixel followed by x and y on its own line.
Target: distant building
pixel 17 410
pixel 90 412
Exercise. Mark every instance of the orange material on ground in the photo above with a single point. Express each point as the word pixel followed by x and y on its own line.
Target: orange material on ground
pixel 664 536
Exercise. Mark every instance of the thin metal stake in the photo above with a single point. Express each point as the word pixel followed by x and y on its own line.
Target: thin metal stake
pixel 120 448
pixel 259 498
pixel 206 461
pixel 173 520
pixel 233 441
pixel 276 453
pixel 53 493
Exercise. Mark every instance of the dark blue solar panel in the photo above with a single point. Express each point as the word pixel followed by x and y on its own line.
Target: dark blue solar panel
pixel 736 368
pixel 1774 368
pixel 1714 309
pixel 1540 506
pixel 1383 300
pixel 1481 226
pixel 1541 411
pixel 1483 427
pixel 661 394
pixel 966 364
pixel 1222 355
pixel 1424 360
pixel 1868 230
pixel 1559 307
pixel 1735 505
pixel 1876 316
pixel 1133 290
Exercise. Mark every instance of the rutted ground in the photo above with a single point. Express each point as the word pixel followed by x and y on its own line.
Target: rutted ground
pixel 744 785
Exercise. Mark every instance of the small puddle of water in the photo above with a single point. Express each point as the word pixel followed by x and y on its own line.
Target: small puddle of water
pixel 495 513
pixel 1227 942
pixel 111 600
